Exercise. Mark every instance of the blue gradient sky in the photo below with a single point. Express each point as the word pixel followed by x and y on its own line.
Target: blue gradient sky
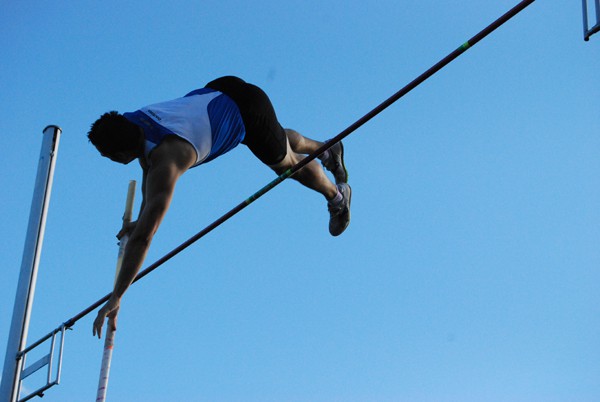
pixel 469 272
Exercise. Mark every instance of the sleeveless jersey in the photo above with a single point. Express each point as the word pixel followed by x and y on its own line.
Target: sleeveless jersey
pixel 209 120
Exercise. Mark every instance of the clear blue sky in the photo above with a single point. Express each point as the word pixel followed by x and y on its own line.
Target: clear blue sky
pixel 470 269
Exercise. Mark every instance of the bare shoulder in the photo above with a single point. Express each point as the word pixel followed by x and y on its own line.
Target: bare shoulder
pixel 174 151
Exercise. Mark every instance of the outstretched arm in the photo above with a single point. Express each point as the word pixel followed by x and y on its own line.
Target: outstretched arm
pixel 160 183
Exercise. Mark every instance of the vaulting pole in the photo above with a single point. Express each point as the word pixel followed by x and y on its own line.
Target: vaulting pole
pixel 19 327
pixel 412 85
pixel 109 339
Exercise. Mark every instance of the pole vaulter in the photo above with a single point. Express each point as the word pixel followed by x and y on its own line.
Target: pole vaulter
pixel 294 169
pixel 288 173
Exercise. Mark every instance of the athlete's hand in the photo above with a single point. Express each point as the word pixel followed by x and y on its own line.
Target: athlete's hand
pixel 127 228
pixel 110 310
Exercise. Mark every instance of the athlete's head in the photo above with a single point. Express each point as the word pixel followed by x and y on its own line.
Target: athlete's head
pixel 116 137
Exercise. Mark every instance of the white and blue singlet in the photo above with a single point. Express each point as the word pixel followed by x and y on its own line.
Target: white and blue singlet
pixel 208 119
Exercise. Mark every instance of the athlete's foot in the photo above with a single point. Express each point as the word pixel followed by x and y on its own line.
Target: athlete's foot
pixel 339 213
pixel 334 162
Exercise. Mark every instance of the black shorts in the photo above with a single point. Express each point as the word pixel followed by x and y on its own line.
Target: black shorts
pixel 264 135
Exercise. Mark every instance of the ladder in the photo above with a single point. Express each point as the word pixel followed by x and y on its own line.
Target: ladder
pixel 51 361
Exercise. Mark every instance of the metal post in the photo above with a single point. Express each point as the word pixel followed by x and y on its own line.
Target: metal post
pixel 585 19
pixel 595 28
pixel 29 266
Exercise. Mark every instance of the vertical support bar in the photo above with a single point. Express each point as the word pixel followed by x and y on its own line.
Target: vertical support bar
pixel 585 19
pixel 109 340
pixel 29 265
pixel 587 31
pixel 51 359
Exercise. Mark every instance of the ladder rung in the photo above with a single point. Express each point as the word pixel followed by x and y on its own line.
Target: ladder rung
pixel 35 366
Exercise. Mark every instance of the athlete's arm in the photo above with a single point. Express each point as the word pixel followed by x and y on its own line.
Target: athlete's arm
pixel 169 161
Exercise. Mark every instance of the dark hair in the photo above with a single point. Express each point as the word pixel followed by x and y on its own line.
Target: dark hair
pixel 114 133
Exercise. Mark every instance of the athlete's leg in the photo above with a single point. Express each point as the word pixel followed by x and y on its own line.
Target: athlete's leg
pixel 273 146
pixel 311 175
pixel 332 159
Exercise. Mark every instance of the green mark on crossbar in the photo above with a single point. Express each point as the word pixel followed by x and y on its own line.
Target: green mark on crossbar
pixel 268 187
pixel 465 46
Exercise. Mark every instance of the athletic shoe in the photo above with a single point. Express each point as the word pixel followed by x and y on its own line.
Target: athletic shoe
pixel 335 163
pixel 339 215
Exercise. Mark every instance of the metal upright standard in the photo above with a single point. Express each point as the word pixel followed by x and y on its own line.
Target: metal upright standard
pixel 14 370
pixel 109 339
pixel 587 31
